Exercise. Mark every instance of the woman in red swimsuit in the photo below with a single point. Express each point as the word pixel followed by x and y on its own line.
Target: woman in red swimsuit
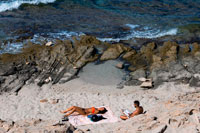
pixel 84 111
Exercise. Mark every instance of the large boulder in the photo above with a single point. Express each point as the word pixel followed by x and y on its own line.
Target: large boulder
pixel 113 52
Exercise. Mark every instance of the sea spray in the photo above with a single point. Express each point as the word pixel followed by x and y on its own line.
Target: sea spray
pixel 137 31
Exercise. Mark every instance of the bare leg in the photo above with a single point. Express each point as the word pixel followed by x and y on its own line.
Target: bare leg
pixel 79 110
pixel 72 111
pixel 67 110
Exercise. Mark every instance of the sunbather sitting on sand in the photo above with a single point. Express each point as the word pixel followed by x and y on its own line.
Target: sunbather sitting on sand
pixel 84 111
pixel 139 110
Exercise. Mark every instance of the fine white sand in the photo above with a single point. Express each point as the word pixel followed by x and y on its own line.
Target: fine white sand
pixel 81 92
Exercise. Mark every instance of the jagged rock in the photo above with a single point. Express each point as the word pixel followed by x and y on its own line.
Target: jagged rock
pixel 113 52
pixel 62 61
pixel 195 48
pixel 129 55
pixel 41 64
pixel 86 56
pixel 179 71
pixel 194 81
pixel 140 73
pixel 134 76
pixel 191 64
pixel 2 80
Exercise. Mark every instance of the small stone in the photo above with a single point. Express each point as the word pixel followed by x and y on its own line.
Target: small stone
pixel 43 100
pixel 48 80
pixel 54 101
pixel 120 85
pixel 120 65
pixel 147 84
pixel 142 79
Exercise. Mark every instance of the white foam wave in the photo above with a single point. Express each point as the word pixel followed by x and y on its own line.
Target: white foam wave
pixel 142 32
pixel 11 48
pixel 15 47
pixel 14 4
pixel 63 35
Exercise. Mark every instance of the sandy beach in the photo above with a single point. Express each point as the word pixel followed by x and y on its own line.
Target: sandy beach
pixel 34 103
pixel 56 54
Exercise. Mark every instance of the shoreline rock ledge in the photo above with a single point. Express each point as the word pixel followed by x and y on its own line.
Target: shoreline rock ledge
pixel 61 62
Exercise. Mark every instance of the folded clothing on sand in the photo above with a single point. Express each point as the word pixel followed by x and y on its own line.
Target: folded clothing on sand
pixel 78 120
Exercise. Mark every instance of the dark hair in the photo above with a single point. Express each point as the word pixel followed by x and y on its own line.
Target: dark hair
pixel 137 103
pixel 103 111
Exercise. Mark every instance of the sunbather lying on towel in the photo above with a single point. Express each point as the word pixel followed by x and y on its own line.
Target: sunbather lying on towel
pixel 84 111
pixel 139 110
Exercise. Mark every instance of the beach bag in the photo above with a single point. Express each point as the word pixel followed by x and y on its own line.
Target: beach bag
pixel 95 118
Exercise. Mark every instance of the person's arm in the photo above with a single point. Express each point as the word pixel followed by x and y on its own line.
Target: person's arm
pixel 136 112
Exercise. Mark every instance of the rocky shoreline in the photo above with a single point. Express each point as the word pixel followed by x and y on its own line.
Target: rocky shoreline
pixel 60 62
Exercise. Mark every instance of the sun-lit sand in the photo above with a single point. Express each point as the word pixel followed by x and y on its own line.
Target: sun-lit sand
pixel 45 103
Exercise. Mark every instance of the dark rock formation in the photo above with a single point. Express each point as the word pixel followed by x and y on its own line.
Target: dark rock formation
pixel 165 63
pixel 114 51
pixel 42 64
pixel 61 62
